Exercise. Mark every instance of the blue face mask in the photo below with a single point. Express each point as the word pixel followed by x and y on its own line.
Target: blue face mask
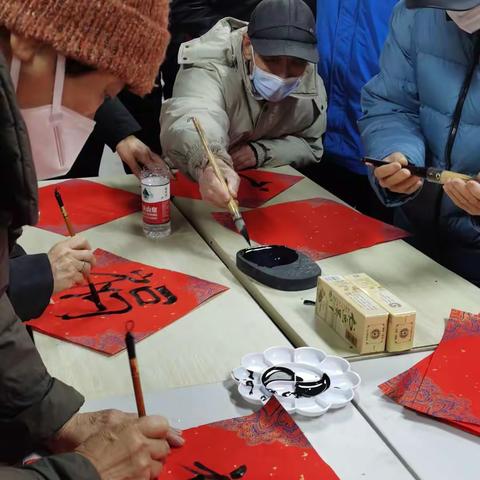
pixel 271 87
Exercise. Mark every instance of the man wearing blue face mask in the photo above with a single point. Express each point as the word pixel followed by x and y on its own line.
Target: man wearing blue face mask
pixel 256 92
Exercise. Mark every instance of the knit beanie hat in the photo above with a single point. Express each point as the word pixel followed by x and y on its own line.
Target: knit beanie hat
pixel 126 38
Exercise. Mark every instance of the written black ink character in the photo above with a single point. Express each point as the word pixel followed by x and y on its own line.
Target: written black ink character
pixel 124 300
pixel 202 472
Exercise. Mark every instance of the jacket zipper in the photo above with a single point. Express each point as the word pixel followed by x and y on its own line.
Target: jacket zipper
pixel 457 116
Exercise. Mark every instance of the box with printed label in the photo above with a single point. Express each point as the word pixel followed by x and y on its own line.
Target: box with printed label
pixel 401 321
pixel 352 314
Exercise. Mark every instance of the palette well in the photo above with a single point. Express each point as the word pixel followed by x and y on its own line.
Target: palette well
pixel 304 380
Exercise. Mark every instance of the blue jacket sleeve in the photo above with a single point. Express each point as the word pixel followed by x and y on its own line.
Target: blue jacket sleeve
pixel 390 103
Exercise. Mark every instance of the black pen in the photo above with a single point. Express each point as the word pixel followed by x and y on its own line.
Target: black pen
pixel 430 174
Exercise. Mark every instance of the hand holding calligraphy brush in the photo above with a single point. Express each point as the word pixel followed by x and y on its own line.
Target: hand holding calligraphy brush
pixel 93 291
pixel 232 204
pixel 135 372
pixel 430 174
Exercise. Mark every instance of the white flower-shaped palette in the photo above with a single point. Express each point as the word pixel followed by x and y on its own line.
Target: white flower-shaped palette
pixel 304 380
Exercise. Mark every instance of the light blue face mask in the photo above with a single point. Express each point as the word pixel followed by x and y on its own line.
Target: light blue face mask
pixel 271 87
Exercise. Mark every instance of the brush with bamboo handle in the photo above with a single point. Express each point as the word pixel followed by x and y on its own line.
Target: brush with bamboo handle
pixel 233 207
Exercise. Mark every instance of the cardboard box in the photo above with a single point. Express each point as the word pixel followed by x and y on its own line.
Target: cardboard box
pixel 401 321
pixel 352 314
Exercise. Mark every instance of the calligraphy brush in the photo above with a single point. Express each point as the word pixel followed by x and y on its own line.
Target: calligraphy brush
pixel 430 174
pixel 232 204
pixel 98 303
pixel 134 370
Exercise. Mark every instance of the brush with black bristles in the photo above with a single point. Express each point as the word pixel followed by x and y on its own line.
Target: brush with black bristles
pixel 93 291
pixel 233 207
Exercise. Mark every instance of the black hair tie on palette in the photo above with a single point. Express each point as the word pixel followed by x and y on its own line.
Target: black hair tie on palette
pixel 302 389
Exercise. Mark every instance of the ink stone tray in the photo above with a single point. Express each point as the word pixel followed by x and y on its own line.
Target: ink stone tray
pixel 279 267
pixel 305 380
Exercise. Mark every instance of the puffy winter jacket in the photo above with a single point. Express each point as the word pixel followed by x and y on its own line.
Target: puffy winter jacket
pixel 351 34
pixel 214 85
pixel 409 107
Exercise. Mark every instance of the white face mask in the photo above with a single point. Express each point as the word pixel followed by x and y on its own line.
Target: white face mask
pixel 271 87
pixel 468 21
pixel 57 134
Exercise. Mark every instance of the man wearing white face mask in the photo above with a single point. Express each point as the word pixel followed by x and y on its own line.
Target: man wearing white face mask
pixel 423 108
pixel 255 90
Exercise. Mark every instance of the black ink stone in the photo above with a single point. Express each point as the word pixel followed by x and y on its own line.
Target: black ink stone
pixel 279 267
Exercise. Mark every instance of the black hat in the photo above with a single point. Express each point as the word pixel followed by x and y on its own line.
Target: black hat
pixel 284 27
pixel 454 5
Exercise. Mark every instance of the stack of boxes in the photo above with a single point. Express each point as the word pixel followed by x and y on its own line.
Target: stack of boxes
pixel 365 314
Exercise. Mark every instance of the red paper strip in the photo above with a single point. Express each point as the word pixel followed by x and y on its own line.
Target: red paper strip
pixel 319 228
pixel 267 444
pixel 88 204
pixel 153 298
pixel 446 385
pixel 256 187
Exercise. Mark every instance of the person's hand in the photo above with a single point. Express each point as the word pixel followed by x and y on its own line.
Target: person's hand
pixel 84 425
pixel 395 178
pixel 243 157
pixel 136 154
pixel 134 450
pixel 213 191
pixel 465 195
pixel 70 259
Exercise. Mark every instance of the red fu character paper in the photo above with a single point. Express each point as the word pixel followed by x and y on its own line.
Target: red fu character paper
pixel 256 187
pixel 88 204
pixel 153 298
pixel 319 228
pixel 265 445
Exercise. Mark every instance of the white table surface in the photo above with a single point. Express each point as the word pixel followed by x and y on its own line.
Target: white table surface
pixel 343 437
pixel 431 289
pixel 201 347
pixel 432 449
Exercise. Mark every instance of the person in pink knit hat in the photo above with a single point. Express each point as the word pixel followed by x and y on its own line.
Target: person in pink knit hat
pixel 59 60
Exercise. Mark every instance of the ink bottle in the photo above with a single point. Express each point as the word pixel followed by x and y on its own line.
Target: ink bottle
pixel 155 184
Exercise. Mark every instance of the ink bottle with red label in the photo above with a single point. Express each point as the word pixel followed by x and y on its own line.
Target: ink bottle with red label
pixel 155 184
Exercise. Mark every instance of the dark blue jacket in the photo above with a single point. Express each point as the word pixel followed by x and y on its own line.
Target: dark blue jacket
pixel 351 34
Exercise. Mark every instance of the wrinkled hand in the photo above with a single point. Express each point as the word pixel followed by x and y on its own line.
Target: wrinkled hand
pixel 133 450
pixel 136 154
pixel 465 195
pixel 243 157
pixel 69 260
pixel 395 178
pixel 211 188
pixel 84 425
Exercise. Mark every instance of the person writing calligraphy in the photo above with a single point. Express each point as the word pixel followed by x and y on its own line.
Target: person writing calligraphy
pixel 255 89
pixel 422 109
pixel 43 44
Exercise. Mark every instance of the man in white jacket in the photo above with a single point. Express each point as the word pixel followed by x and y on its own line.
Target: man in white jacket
pixel 256 92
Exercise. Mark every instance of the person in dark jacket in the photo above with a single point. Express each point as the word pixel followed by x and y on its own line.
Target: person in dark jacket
pixel 137 142
pixel 422 108
pixel 351 34
pixel 36 410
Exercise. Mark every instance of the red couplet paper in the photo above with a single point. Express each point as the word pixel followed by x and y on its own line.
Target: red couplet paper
pixel 319 228
pixel 256 187
pixel 88 204
pixel 446 385
pixel 153 298
pixel 265 445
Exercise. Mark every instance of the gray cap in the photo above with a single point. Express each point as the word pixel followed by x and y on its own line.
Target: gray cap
pixel 454 5
pixel 284 27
